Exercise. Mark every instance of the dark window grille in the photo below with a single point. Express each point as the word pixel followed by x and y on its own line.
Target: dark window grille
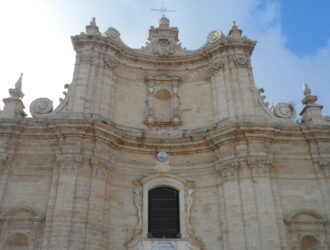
pixel 163 213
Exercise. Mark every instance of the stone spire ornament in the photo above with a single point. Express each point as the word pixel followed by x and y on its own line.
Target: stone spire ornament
pixel 17 91
pixel 235 32
pixel 309 98
pixel 92 28
pixel 14 107
pixel 311 113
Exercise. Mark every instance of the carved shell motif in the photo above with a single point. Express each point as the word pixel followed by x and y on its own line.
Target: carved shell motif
pixel 40 107
pixel 285 110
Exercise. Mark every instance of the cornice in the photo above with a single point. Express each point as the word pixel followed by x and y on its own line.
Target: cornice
pixel 124 139
pixel 187 57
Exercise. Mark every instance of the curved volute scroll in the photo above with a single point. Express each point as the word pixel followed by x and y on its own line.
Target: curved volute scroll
pixel 141 191
pixel 43 107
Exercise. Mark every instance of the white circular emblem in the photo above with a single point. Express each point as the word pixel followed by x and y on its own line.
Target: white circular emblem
pixel 162 156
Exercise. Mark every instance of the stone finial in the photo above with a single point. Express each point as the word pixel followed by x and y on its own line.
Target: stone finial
pixel 14 107
pixel 164 23
pixel 235 32
pixel 311 113
pixel 92 28
pixel 308 97
pixel 93 22
pixel 17 91
pixel 307 90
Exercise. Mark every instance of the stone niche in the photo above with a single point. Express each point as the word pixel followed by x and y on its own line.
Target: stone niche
pixel 163 104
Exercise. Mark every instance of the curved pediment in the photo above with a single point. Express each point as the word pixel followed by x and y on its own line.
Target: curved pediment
pixel 163 42
pixel 304 216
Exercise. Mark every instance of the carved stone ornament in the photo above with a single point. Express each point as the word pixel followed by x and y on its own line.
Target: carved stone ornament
pixel 163 47
pixel 109 63
pixel 214 36
pixel 138 201
pixel 241 60
pixel 40 107
pixel 285 110
pixel 113 34
pixel 217 65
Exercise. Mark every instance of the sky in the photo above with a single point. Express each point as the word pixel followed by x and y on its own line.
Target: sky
pixel 293 40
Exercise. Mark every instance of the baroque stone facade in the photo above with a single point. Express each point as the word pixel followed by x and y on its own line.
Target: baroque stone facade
pixel 247 176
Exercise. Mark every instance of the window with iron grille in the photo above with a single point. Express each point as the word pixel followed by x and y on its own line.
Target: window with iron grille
pixel 163 213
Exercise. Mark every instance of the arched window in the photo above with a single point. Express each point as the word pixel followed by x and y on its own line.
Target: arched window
pixel 163 213
pixel 17 241
pixel 309 242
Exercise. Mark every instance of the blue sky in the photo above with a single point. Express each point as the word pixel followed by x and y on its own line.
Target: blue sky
pixel 293 39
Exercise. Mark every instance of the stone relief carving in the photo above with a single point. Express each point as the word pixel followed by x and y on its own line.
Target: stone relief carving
pixel 138 201
pixel 214 36
pixel 188 204
pixel 241 60
pixel 110 63
pixel 163 47
pixel 285 110
pixel 231 170
pixel 113 34
pixel 217 65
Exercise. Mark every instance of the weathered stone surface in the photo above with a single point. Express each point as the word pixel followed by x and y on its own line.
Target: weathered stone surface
pixel 78 176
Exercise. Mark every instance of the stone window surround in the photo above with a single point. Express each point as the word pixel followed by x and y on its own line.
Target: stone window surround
pixel 165 180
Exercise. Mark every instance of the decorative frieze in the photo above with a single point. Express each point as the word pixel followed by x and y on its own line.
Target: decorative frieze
pixel 232 170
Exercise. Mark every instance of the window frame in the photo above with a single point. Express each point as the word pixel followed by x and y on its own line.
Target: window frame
pixel 184 189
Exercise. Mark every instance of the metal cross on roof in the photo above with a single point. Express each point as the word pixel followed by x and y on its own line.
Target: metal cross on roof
pixel 163 10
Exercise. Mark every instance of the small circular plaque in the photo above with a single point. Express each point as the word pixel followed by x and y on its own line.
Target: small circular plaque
pixel 162 156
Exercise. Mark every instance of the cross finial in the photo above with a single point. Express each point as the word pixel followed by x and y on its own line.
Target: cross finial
pixel 163 10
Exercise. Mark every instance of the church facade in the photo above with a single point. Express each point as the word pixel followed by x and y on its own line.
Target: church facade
pixel 163 148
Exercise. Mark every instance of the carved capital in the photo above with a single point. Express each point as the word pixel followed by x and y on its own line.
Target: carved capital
pixel 69 163
pixel 259 166
pixel 229 170
pixel 100 167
